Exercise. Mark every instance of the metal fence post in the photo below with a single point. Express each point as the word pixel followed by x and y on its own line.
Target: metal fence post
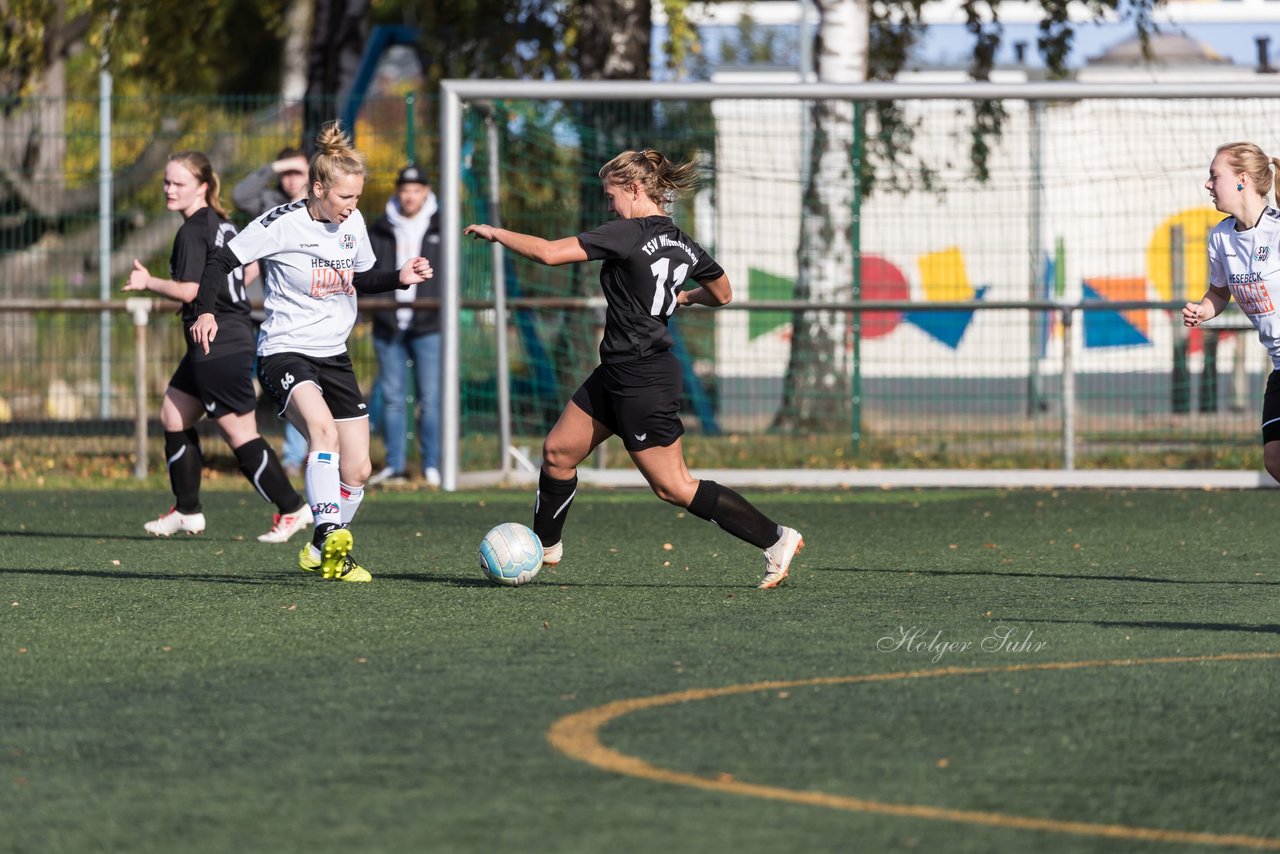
pixel 104 236
pixel 1068 390
pixel 140 309
pixel 503 366
pixel 410 144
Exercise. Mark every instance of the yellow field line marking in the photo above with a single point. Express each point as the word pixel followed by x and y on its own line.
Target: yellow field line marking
pixel 578 736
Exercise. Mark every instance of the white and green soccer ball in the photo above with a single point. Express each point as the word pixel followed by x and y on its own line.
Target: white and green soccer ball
pixel 510 554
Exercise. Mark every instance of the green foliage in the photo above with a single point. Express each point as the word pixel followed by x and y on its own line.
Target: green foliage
pixel 200 47
pixel 485 38
pixel 751 44
pixel 682 41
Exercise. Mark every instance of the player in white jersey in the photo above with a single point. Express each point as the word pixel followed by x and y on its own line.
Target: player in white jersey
pixel 1244 262
pixel 218 385
pixel 315 256
pixel 635 392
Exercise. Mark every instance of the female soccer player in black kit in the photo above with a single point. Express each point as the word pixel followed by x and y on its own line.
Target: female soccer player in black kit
pixel 221 384
pixel 635 391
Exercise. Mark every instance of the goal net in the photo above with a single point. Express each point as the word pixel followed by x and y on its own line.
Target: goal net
pixel 915 300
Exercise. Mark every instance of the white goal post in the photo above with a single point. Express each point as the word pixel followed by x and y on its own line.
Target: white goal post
pixel 1195 146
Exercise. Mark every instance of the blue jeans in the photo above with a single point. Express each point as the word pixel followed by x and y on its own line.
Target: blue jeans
pixel 394 356
pixel 295 446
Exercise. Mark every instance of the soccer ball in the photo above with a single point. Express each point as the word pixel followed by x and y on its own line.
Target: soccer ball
pixel 510 554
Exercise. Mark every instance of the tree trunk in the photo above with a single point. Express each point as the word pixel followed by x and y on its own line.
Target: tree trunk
pixel 293 59
pixel 817 384
pixel 337 43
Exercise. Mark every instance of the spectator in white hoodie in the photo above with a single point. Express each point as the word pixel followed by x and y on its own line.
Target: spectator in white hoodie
pixel 409 228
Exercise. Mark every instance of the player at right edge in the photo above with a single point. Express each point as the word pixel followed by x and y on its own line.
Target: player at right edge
pixel 1244 262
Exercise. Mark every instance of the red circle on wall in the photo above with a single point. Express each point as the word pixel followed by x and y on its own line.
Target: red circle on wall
pixel 881 280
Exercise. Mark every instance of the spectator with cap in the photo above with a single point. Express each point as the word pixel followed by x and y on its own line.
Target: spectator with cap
pixel 406 336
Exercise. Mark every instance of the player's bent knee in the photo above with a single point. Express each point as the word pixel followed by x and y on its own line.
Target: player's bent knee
pixel 324 438
pixel 1271 459
pixel 557 457
pixel 678 497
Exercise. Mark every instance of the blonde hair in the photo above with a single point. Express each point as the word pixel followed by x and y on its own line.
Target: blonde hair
pixel 661 180
pixel 334 157
pixel 1248 158
pixel 197 163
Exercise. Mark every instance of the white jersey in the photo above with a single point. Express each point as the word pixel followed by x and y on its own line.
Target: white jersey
pixel 307 269
pixel 1248 264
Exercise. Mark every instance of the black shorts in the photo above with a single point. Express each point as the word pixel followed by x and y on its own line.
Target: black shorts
pixel 1271 409
pixel 639 401
pixel 281 373
pixel 224 385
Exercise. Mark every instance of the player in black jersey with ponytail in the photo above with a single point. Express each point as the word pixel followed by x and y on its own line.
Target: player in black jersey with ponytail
pixel 219 385
pixel 635 392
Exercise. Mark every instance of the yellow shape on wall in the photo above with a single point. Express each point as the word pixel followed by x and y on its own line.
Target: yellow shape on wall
pixel 943 276
pixel 1196 223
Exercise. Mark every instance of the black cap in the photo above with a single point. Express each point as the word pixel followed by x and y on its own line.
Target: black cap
pixel 411 175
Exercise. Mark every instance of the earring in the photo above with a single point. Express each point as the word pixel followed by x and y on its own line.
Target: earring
pixel 1239 186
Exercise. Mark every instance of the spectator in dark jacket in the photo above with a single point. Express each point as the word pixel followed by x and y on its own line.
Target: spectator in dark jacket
pixel 409 228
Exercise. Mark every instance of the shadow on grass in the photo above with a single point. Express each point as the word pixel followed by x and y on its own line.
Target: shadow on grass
pixel 155 576
pixel 1252 628
pixel 1062 576
pixel 454 581
pixel 91 535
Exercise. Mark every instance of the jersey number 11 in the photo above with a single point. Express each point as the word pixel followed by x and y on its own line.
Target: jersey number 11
pixel 661 286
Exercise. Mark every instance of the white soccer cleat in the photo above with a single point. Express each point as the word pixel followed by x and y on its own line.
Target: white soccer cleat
pixel 551 555
pixel 173 522
pixel 285 525
pixel 388 476
pixel 777 558
pixel 432 475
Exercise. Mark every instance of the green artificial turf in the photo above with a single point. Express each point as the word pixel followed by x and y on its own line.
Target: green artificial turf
pixel 200 694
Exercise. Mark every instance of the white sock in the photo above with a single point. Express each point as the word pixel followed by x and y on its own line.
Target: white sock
pixel 324 487
pixel 351 496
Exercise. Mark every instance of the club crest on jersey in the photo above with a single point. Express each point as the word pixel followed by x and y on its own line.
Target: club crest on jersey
pixel 348 241
pixel 1262 252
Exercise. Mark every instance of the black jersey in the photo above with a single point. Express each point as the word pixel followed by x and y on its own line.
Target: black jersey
pixel 646 263
pixel 200 237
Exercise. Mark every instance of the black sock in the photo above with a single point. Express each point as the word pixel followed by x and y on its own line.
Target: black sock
pixel 260 465
pixel 182 455
pixel 733 514
pixel 552 506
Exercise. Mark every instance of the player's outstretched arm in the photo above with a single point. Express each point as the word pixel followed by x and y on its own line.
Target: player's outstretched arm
pixel 415 271
pixel 553 253
pixel 140 279
pixel 1196 313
